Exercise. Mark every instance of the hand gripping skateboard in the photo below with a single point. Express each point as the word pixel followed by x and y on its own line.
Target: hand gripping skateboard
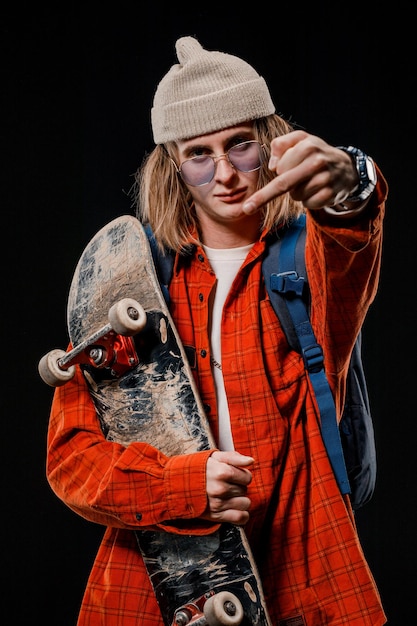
pixel 124 339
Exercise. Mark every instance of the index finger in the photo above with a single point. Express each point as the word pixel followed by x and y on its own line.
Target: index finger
pixel 277 187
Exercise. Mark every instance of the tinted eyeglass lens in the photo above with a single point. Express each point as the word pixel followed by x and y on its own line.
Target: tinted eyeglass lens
pixel 246 157
pixel 198 171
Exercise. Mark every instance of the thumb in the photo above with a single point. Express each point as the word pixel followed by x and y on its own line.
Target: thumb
pixel 232 457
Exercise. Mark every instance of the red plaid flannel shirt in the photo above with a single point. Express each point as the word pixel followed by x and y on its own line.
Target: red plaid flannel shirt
pixel 301 529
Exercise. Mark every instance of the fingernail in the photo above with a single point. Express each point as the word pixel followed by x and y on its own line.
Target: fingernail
pixel 249 207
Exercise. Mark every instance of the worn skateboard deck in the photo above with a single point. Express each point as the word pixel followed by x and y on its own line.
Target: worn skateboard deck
pixel 155 400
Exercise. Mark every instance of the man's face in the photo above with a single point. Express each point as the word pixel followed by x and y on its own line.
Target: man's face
pixel 220 200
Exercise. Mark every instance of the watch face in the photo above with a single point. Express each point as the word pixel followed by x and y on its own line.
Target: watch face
pixel 370 168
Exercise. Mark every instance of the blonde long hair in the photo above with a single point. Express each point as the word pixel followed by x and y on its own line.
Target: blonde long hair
pixel 163 201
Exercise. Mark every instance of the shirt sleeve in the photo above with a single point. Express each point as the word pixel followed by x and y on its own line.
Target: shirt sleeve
pixel 343 259
pixel 133 487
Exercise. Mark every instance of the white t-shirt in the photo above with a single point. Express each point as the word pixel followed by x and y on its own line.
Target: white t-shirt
pixel 225 264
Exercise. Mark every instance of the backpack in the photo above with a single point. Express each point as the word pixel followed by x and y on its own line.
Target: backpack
pixel 351 444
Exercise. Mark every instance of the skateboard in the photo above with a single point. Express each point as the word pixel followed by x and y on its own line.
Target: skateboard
pixel 123 338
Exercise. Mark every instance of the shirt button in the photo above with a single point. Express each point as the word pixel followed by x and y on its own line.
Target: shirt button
pixel 138 516
pixel 200 297
pixel 200 257
pixel 203 353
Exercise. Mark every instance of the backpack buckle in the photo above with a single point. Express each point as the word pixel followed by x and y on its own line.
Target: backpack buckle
pixel 290 283
pixel 313 357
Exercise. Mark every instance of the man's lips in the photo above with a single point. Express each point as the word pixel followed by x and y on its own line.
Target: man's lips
pixel 234 196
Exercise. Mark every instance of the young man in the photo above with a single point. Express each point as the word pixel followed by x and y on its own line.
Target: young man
pixel 226 174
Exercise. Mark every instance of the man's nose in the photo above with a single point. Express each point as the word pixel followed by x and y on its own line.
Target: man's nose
pixel 220 163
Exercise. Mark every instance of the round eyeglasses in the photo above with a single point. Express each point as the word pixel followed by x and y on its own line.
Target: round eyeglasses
pixel 199 170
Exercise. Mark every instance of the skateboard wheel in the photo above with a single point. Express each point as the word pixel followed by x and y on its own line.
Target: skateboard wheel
pixel 127 317
pixel 51 373
pixel 223 609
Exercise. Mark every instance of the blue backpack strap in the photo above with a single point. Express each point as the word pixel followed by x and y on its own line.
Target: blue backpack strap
pixel 288 289
pixel 163 261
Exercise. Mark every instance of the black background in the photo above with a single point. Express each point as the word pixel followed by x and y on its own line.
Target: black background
pixel 77 87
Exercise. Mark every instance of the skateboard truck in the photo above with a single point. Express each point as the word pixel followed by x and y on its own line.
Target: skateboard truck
pixel 110 346
pixel 216 609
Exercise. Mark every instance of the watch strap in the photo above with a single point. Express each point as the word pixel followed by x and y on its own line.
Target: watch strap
pixel 366 172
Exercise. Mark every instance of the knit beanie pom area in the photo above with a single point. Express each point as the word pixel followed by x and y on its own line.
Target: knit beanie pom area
pixel 205 92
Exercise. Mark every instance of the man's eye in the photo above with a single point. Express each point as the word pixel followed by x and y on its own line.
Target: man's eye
pixel 237 141
pixel 196 152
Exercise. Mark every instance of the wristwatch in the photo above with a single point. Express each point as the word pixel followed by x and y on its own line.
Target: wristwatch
pixel 366 172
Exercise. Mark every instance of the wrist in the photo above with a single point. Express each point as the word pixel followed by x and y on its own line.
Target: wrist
pixel 343 209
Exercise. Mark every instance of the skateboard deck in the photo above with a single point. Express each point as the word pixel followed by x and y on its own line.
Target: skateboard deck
pixel 143 390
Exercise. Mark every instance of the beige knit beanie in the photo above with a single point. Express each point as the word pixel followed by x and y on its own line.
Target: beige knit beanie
pixel 206 92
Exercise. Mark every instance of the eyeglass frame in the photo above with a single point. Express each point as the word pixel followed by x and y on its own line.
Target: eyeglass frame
pixel 216 157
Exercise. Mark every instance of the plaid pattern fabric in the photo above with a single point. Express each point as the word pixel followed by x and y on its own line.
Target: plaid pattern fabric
pixel 301 529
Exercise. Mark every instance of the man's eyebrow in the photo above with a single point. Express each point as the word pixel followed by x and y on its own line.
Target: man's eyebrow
pixel 243 135
pixel 196 146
